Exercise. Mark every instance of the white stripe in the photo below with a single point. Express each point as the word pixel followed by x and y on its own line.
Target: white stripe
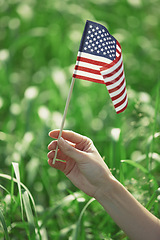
pixel 94 57
pixel 117 83
pixel 122 106
pixel 118 91
pixel 90 75
pixel 111 69
pixel 120 98
pixel 119 49
pixel 87 65
pixel 108 79
pixel 117 54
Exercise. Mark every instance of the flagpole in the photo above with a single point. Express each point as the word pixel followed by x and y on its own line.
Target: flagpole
pixel 64 116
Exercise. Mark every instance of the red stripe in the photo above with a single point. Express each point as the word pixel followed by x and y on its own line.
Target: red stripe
pixel 89 70
pixel 121 102
pixel 88 79
pixel 87 60
pixel 123 108
pixel 113 72
pixel 116 88
pixel 114 80
pixel 109 65
pixel 118 95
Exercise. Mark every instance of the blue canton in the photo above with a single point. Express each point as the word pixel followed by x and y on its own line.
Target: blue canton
pixel 98 41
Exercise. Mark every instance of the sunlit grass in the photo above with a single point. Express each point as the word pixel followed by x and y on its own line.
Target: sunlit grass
pixel 38 48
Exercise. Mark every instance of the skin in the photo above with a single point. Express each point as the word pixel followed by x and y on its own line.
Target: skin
pixel 84 166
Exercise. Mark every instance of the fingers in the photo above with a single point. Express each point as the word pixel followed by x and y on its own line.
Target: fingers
pixel 60 155
pixel 58 165
pixel 69 135
pixel 70 151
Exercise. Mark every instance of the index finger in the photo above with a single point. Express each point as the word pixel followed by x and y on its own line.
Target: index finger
pixel 68 135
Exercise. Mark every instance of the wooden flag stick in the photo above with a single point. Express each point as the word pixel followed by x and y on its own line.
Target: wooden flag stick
pixel 64 116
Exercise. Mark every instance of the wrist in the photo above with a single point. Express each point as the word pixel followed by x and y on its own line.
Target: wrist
pixel 107 189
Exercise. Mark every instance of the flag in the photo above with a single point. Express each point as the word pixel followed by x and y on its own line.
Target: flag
pixel 114 78
pixel 99 60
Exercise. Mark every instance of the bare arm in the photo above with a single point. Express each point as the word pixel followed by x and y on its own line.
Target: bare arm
pixel 86 169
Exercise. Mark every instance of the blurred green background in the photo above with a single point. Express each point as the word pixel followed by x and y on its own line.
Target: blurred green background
pixel 39 41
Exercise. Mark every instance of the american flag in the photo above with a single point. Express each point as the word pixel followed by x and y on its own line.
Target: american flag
pixel 100 60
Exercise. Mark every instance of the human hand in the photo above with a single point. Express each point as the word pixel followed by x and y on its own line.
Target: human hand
pixel 81 162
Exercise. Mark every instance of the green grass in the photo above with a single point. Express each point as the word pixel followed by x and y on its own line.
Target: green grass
pixel 39 41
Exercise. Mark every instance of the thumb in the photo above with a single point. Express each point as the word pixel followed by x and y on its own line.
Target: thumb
pixel 70 151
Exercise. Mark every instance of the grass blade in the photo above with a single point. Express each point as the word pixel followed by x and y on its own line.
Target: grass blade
pixel 152 199
pixel 76 230
pixel 29 214
pixel 16 170
pixel 53 210
pixel 136 165
pixel 5 176
pixel 4 225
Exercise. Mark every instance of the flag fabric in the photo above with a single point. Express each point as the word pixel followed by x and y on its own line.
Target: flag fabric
pixel 99 60
pixel 114 78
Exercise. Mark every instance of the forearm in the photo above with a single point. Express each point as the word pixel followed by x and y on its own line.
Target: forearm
pixel 136 221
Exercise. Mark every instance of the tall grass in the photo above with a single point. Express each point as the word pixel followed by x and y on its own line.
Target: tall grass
pixel 38 48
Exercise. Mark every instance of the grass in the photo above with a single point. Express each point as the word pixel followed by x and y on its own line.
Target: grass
pixel 38 47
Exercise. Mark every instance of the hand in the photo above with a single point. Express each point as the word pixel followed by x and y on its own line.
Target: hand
pixel 81 163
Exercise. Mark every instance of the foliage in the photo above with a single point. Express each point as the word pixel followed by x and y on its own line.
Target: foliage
pixel 39 41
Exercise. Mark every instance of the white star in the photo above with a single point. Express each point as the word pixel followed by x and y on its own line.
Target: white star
pixel 90 41
pixel 102 50
pixel 92 50
pixel 88 37
pixel 95 48
pixel 98 51
pixel 93 30
pixel 101 40
pixel 103 30
pixel 89 32
pixel 103 44
pixel 105 47
pixel 96 33
pixel 94 39
pixel 90 26
pixel 97 28
pixel 86 43
pixel 93 44
pixel 98 37
pixel 104 39
pixel 85 48
pixel 99 46
pixel 92 35
pixel 102 35
pixel 97 42
pixel 89 46
pixel 99 31
pixel 104 53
